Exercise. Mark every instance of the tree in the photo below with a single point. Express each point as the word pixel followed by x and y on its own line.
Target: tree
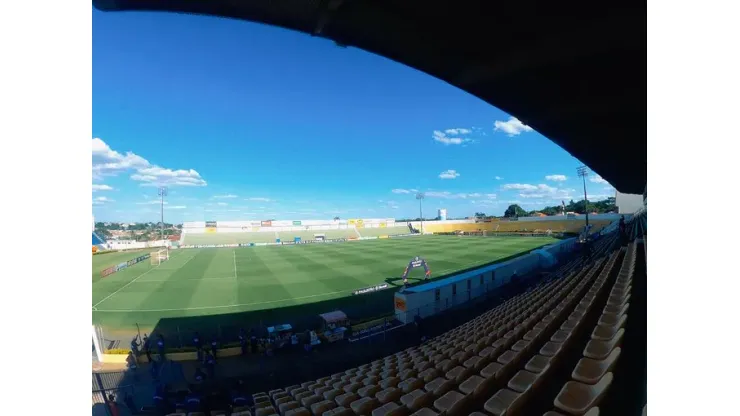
pixel 336 218
pixel 480 214
pixel 514 210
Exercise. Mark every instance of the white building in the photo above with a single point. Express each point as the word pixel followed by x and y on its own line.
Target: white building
pixel 442 214
pixel 629 203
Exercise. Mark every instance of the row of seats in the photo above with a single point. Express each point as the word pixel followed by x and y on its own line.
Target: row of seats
pixel 592 376
pixel 452 372
pixel 523 387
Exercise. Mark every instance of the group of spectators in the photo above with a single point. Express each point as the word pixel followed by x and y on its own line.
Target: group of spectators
pixel 201 398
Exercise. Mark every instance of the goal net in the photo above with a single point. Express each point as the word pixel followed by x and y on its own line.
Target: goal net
pixel 159 256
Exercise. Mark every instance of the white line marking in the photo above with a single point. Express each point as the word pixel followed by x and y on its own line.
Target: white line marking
pixel 126 285
pixel 234 253
pixel 123 287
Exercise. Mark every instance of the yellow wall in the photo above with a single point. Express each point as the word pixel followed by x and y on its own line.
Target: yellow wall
pixel 571 226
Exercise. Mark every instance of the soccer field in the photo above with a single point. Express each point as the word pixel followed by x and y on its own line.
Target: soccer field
pixel 217 281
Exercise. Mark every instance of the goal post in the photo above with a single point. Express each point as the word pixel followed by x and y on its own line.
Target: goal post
pixel 157 257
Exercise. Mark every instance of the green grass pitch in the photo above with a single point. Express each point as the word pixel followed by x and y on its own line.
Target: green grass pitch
pixel 219 282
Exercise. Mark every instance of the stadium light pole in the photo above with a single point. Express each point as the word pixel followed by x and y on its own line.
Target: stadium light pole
pixel 582 173
pixel 420 197
pixel 162 192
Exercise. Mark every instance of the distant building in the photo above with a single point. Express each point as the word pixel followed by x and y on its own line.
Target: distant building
pixel 442 214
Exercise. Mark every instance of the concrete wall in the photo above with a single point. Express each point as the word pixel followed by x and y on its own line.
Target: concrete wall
pixel 435 297
pixel 629 203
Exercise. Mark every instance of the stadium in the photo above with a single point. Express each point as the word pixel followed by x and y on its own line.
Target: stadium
pixel 518 315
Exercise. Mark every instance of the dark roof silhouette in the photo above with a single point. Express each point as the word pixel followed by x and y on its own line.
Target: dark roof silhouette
pixel 574 71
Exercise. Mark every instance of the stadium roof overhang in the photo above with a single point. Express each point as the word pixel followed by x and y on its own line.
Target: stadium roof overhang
pixel 575 72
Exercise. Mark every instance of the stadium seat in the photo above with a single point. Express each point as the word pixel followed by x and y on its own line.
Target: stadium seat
pixel 410 384
pixel 281 400
pixel 364 406
pixel 389 395
pixel 319 408
pixel 416 399
pixel 300 411
pixel 265 411
pixel 425 412
pixel 308 401
pixel 389 382
pixel 590 371
pixel 390 409
pixel 346 399
pixel 439 386
pixel 576 398
pixel 340 411
pixel 284 407
pixel 503 402
pixel 452 403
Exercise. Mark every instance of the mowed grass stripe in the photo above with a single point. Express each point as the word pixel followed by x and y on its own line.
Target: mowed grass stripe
pixel 333 278
pixel 250 290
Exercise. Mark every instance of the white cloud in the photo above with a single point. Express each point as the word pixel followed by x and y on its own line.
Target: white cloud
pixel 443 138
pixel 106 162
pixel 157 176
pixel 101 200
pixel 458 131
pixel 223 204
pixel 486 202
pixel 458 195
pixel 498 178
pixel 539 191
pixel 556 178
pixel 177 207
pixel 401 191
pixel 228 196
pixel 101 188
pixel 449 174
pixel 152 202
pixel 519 186
pixel 598 179
pixel 512 127
pixel 259 199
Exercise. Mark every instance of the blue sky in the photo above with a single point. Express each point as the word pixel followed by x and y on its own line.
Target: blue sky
pixel 246 121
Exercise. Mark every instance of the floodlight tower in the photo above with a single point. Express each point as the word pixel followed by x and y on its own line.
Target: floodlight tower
pixel 162 192
pixel 420 197
pixel 583 172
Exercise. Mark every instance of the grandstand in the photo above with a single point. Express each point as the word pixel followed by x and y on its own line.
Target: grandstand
pixel 96 240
